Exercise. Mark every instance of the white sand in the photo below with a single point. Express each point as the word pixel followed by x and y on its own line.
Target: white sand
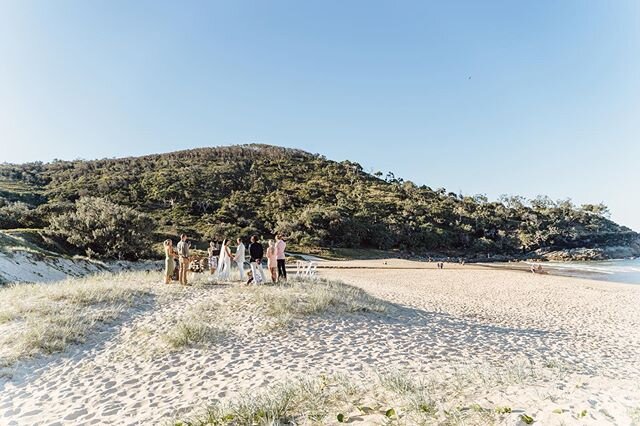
pixel 443 322
pixel 28 266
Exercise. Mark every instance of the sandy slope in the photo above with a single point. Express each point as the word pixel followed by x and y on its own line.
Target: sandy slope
pixel 33 267
pixel 442 323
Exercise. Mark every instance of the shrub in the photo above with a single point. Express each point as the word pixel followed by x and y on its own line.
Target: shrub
pixel 19 215
pixel 105 229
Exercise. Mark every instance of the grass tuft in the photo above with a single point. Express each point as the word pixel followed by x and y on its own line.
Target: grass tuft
pixel 299 298
pixel 46 318
pixel 297 401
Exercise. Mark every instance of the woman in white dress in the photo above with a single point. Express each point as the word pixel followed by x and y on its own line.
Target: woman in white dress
pixel 224 263
pixel 239 258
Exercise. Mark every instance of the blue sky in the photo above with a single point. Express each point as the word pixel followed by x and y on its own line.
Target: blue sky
pixel 493 97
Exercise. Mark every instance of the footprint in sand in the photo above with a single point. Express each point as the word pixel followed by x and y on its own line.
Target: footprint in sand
pixel 110 412
pixel 108 391
pixel 75 414
pixel 109 384
pixel 32 413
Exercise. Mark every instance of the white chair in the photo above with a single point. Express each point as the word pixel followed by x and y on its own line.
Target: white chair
pixel 305 268
pixel 312 269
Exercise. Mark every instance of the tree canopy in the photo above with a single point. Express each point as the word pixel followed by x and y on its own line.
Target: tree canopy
pixel 226 192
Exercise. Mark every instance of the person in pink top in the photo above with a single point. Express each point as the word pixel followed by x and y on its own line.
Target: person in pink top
pixel 280 246
pixel 272 261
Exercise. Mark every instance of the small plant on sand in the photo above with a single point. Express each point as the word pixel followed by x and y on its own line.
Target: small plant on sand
pixel 414 394
pixel 275 406
pixel 197 326
pixel 581 414
pixel 347 385
pixel 191 333
pixel 473 414
pixel 526 419
pixel 502 410
pixel 399 382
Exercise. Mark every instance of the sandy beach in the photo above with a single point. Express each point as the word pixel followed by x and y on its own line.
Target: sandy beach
pixel 554 349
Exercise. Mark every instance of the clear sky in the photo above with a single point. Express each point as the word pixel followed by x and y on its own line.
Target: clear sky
pixel 493 97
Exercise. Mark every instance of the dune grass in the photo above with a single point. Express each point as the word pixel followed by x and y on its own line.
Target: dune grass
pixel 304 297
pixel 393 398
pixel 41 319
pixel 296 401
pixel 200 325
pixel 271 306
pixel 46 318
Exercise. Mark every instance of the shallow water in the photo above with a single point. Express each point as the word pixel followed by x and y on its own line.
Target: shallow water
pixel 618 270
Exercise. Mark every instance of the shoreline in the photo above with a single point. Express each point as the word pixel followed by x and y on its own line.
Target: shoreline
pixel 579 270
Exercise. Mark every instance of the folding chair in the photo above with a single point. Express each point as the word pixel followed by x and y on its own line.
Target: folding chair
pixel 311 270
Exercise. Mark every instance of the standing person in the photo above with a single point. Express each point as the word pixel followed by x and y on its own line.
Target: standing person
pixel 272 261
pixel 213 251
pixel 183 253
pixel 239 258
pixel 224 267
pixel 256 253
pixel 169 264
pixel 280 246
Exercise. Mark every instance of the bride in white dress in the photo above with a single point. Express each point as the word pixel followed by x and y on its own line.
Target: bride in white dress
pixel 224 263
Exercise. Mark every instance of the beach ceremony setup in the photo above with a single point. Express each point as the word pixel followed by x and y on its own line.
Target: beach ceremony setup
pixel 240 213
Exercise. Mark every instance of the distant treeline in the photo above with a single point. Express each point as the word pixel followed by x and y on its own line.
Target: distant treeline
pixel 237 191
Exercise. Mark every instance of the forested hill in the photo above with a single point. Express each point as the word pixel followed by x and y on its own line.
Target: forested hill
pixel 240 190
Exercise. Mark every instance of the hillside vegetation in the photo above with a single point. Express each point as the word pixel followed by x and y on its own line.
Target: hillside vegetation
pixel 224 192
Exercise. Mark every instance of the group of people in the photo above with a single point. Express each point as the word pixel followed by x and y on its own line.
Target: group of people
pixel 220 260
pixel 537 269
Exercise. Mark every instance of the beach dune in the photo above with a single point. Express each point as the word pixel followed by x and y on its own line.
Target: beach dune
pixel 503 345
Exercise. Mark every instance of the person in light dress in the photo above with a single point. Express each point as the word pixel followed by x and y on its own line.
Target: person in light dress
pixel 224 262
pixel 239 258
pixel 272 261
pixel 169 263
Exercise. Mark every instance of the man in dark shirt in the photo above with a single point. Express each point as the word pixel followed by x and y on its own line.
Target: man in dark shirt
pixel 256 253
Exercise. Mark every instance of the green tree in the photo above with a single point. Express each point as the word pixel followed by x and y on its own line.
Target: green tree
pixel 104 229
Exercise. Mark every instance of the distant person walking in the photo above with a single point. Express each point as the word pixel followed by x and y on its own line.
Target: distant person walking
pixel 280 257
pixel 183 254
pixel 256 253
pixel 239 258
pixel 169 263
pixel 213 251
pixel 272 261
